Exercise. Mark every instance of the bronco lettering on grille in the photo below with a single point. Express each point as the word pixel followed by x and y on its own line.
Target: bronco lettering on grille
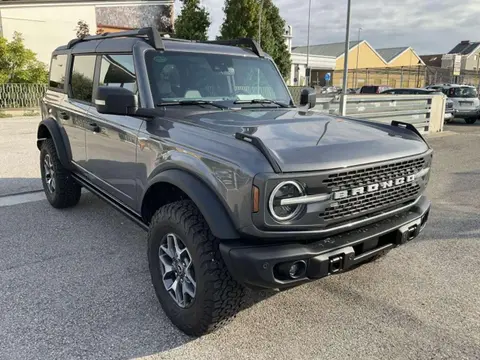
pixel 372 187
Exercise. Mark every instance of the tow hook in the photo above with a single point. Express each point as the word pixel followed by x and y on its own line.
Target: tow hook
pixel 336 264
pixel 408 232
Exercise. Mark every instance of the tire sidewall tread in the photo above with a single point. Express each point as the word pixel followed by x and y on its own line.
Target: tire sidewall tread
pixel 218 296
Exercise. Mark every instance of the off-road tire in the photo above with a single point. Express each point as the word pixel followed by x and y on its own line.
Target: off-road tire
pixel 67 191
pixel 218 296
pixel 470 121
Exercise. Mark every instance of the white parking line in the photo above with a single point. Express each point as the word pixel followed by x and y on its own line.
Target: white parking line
pixel 16 199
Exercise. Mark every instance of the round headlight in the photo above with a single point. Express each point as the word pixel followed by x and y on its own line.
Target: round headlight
pixel 285 190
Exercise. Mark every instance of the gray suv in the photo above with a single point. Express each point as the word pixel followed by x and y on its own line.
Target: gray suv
pixel 201 145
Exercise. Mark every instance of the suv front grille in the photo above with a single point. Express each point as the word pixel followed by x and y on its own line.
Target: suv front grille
pixel 357 205
pixel 369 202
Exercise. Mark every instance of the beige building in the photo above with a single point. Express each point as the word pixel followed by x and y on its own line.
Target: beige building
pixel 397 67
pixel 468 54
pixel 46 24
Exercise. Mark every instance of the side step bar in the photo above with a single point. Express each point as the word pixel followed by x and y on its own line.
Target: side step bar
pixel 129 214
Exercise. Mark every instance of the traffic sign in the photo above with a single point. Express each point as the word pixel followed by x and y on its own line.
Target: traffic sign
pixel 328 77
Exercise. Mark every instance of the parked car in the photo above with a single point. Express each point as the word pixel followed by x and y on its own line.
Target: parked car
pixel 373 89
pixel 235 185
pixel 449 111
pixel 466 104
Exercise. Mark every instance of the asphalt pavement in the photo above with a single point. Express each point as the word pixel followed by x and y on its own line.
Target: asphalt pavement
pixel 75 283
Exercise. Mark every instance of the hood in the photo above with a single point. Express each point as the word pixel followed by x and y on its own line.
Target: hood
pixel 308 141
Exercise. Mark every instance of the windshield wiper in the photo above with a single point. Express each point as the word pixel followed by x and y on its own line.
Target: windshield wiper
pixel 193 102
pixel 261 101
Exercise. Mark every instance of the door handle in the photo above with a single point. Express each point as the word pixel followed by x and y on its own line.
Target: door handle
pixel 63 115
pixel 94 127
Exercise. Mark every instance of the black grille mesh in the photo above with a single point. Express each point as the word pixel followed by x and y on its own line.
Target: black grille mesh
pixel 373 175
pixel 369 202
pixel 357 205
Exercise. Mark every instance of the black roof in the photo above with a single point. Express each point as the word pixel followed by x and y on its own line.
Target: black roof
pixel 465 47
pixel 124 41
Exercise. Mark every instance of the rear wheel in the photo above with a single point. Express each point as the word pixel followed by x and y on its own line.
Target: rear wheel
pixel 60 188
pixel 190 278
pixel 470 120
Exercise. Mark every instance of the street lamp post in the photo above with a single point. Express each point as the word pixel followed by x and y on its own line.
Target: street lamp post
pixel 343 102
pixel 308 42
pixel 358 54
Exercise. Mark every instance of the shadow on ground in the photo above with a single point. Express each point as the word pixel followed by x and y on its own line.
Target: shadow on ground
pixel 75 283
pixel 12 186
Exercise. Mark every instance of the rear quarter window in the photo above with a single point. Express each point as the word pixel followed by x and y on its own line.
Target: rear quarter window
pixel 58 67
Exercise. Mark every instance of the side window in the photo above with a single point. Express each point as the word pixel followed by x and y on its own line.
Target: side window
pixel 58 67
pixel 81 81
pixel 118 70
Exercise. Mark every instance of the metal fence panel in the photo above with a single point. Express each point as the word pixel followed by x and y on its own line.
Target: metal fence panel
pixel 414 109
pixel 18 96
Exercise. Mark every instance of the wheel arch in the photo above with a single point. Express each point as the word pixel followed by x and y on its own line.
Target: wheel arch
pixel 49 129
pixel 208 203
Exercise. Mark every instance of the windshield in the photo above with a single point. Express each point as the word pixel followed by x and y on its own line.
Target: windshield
pixel 182 76
pixel 462 92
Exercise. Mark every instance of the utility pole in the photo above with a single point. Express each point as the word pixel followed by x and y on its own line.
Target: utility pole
pixel 260 23
pixel 343 101
pixel 358 54
pixel 308 42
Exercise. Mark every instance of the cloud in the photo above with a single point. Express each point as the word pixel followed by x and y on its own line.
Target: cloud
pixel 429 26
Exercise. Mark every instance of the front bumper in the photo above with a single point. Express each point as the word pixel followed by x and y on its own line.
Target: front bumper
pixel 449 115
pixel 264 266
pixel 466 113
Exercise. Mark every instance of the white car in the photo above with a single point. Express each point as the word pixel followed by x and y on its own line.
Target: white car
pixel 466 104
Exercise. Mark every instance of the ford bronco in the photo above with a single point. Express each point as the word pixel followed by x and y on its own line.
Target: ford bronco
pixel 201 144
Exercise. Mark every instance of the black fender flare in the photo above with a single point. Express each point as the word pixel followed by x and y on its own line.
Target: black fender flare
pixel 59 137
pixel 212 209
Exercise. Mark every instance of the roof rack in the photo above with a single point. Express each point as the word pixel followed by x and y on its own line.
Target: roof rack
pixel 242 41
pixel 152 35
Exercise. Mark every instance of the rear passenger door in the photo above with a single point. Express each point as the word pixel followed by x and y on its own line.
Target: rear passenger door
pixel 111 144
pixel 73 109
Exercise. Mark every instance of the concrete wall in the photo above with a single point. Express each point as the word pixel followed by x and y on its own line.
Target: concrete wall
pixel 46 27
pixel 135 16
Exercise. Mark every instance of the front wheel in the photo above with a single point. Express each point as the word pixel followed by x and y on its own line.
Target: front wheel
pixel 191 281
pixel 470 120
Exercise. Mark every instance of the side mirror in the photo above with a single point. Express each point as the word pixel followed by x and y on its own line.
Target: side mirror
pixel 115 101
pixel 308 96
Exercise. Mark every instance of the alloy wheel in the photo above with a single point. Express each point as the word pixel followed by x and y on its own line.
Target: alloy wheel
pixel 49 173
pixel 177 270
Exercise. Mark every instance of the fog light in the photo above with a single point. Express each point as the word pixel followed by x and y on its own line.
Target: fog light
pixel 291 270
pixel 297 269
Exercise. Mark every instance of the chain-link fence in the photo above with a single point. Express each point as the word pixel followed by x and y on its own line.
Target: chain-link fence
pixel 21 96
pixel 436 75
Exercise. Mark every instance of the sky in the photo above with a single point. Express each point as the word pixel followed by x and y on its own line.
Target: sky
pixel 428 26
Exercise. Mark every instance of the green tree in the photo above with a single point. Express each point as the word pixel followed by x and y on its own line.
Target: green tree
pixel 272 39
pixel 242 20
pixel 19 64
pixel 193 21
